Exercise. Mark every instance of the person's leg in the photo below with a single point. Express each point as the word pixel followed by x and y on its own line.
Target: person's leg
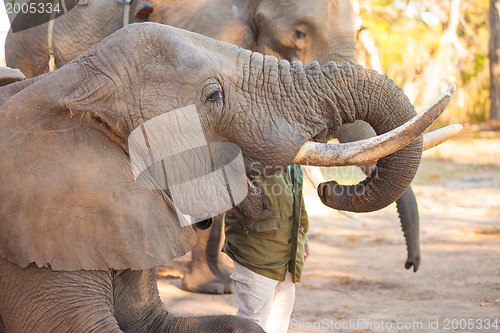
pixel 254 293
pixel 284 297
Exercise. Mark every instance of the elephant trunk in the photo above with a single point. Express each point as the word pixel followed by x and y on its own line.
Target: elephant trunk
pixel 212 324
pixel 343 49
pixel 340 48
pixel 410 223
pixel 343 94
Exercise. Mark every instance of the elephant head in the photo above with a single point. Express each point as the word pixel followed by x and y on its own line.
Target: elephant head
pixel 297 30
pixel 66 163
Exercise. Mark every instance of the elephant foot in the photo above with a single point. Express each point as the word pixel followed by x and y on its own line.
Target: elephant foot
pixel 207 283
pixel 209 275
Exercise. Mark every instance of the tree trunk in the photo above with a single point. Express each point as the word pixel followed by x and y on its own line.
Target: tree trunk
pixel 495 58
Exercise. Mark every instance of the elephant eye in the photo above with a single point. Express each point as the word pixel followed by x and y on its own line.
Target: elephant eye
pixel 300 34
pixel 214 96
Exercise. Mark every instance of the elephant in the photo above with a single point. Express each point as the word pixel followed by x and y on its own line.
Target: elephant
pixel 293 31
pixel 80 238
pixel 83 26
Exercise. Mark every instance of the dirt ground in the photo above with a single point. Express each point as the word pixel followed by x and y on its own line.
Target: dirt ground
pixel 355 279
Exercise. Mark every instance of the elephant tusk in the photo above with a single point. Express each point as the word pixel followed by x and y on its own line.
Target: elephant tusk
pixel 437 137
pixel 366 151
pixel 431 139
pixel 434 138
pixel 316 177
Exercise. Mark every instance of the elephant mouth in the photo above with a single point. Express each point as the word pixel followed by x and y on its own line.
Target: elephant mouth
pixel 368 151
pixel 254 206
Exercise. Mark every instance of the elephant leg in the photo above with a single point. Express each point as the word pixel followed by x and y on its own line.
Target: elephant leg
pixel 42 300
pixel 138 308
pixel 2 328
pixel 207 273
pixel 137 301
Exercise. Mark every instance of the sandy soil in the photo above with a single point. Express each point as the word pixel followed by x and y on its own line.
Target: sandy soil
pixel 355 279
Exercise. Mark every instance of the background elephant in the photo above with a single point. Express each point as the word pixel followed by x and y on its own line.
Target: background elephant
pixel 70 200
pixel 74 33
pixel 294 30
pixel 83 26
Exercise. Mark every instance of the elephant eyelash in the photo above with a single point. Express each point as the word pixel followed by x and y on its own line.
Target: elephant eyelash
pixel 300 34
pixel 214 96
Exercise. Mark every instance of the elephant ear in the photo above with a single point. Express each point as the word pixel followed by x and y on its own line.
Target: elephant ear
pixel 69 200
pixel 10 75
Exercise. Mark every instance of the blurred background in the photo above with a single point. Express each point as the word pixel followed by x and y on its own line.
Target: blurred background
pixel 424 46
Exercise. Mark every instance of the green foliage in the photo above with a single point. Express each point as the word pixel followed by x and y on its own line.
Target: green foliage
pixel 417 47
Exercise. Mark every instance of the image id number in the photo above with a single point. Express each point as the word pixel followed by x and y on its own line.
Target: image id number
pixel 464 324
pixel 31 8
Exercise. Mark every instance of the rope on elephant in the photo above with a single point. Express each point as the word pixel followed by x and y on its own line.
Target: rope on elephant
pixel 50 44
pixel 125 12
